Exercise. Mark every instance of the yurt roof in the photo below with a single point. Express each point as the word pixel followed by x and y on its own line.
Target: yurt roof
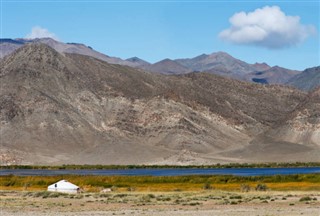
pixel 64 184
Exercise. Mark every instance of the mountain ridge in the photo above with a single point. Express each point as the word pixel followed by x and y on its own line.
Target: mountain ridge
pixel 70 108
pixel 220 63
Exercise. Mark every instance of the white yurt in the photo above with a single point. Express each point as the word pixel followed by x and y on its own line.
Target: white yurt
pixel 64 186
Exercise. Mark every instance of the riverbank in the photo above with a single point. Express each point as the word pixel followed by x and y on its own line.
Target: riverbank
pixel 218 165
pixel 289 195
pixel 212 202
pixel 298 182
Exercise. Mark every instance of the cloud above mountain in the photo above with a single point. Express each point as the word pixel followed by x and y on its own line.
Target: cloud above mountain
pixel 267 27
pixel 39 32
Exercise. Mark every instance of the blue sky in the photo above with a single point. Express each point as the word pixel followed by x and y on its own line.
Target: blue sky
pixel 174 29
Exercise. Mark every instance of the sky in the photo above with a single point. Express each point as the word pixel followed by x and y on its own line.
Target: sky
pixel 283 33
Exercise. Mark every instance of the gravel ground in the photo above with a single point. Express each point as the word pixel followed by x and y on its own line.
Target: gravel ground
pixel 161 204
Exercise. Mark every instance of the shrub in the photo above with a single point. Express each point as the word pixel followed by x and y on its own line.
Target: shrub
pixel 245 188
pixel 207 186
pixel 43 194
pixel 194 203
pixel 261 187
pixel 303 199
pixel 131 189
pixel 120 195
pixel 55 195
pixel 151 196
pixel 145 199
pixel 235 197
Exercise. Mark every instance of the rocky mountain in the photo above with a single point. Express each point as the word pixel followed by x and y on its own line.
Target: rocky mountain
pixel 273 75
pixel 7 46
pixel 308 80
pixel 73 109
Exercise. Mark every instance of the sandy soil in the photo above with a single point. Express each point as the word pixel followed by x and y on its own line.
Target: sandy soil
pixel 160 204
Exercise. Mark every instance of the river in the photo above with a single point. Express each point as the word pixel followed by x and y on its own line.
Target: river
pixel 164 171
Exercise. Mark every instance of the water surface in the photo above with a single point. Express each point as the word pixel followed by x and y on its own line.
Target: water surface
pixel 165 172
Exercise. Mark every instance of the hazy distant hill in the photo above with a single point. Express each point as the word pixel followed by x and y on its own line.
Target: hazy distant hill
pixel 75 109
pixel 167 66
pixel 308 80
pixel 261 66
pixel 225 65
pixel 219 63
pixel 7 46
pixel 273 75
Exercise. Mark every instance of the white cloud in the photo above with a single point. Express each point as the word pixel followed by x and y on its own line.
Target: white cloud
pixel 267 27
pixel 39 32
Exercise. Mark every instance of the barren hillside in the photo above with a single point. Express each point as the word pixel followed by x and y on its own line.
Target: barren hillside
pixel 69 108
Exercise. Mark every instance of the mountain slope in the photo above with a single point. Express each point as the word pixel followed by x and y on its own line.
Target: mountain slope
pixel 62 109
pixel 308 80
pixel 297 136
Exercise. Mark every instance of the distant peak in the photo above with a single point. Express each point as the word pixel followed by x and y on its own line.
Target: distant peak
pixel 36 40
pixel 72 43
pixel 137 60
pixel 221 53
pixel 166 60
pixel 134 59
pixel 203 55
pixel 43 39
pixel 8 40
pixel 261 64
pixel 277 67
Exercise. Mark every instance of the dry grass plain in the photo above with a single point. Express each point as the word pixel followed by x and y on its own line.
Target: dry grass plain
pixel 162 196
pixel 206 202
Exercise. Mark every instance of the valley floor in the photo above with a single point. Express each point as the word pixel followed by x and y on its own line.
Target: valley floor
pixel 161 203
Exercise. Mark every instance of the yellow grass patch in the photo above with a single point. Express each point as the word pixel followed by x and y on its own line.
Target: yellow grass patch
pixel 162 184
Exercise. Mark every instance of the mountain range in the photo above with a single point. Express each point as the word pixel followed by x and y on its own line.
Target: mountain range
pixel 219 63
pixel 61 107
